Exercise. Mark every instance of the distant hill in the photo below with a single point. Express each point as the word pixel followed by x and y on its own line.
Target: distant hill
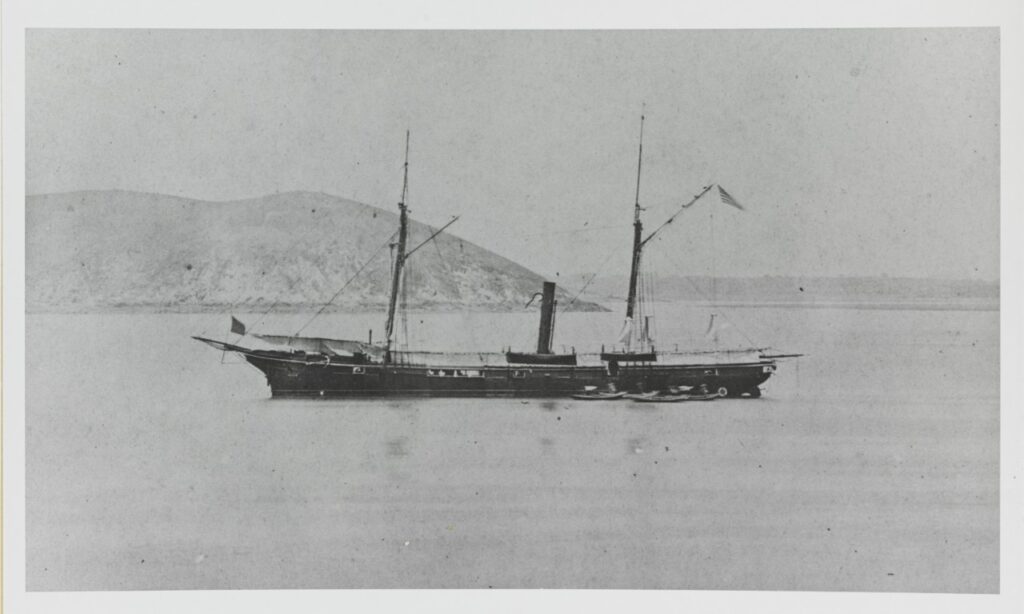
pixel 116 250
pixel 807 290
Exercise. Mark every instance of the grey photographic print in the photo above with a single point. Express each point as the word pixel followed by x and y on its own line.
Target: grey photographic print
pixel 637 309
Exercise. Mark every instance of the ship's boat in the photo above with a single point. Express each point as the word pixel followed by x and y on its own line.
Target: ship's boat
pixel 320 367
pixel 674 398
pixel 596 395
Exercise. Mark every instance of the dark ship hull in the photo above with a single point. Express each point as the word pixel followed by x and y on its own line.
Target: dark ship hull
pixel 299 374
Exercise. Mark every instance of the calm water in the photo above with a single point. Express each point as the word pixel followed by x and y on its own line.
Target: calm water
pixel 871 464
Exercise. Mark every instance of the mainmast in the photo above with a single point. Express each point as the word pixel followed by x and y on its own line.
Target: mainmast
pixel 638 229
pixel 396 275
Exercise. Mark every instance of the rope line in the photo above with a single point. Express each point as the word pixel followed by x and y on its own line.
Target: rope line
pixel 698 291
pixel 233 306
pixel 589 281
pixel 340 290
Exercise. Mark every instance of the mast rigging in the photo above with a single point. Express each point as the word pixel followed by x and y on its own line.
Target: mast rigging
pixel 403 231
pixel 638 229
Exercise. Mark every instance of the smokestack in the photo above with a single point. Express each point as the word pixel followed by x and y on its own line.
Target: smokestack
pixel 547 318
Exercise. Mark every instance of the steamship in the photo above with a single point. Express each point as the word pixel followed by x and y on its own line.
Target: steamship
pixel 297 366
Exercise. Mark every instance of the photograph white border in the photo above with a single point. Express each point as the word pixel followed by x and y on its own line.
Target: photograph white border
pixel 521 14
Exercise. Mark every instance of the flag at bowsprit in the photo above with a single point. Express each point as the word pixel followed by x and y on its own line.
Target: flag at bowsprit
pixel 236 326
pixel 728 199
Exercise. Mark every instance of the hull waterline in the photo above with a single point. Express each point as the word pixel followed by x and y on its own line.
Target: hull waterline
pixel 295 374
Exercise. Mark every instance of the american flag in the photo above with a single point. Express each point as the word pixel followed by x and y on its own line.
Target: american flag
pixel 728 199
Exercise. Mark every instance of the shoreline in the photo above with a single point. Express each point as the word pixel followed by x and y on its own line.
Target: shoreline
pixel 953 304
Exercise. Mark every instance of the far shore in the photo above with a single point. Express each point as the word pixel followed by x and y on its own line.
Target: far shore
pixel 931 304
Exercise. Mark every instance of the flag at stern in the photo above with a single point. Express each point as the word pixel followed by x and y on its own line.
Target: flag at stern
pixel 728 199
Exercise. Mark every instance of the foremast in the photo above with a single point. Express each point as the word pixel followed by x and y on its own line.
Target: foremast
pixel 638 229
pixel 400 255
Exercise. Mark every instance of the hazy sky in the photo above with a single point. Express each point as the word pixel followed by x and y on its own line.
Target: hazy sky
pixel 855 152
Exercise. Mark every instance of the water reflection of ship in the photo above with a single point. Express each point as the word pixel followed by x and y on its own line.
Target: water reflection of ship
pixel 315 366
